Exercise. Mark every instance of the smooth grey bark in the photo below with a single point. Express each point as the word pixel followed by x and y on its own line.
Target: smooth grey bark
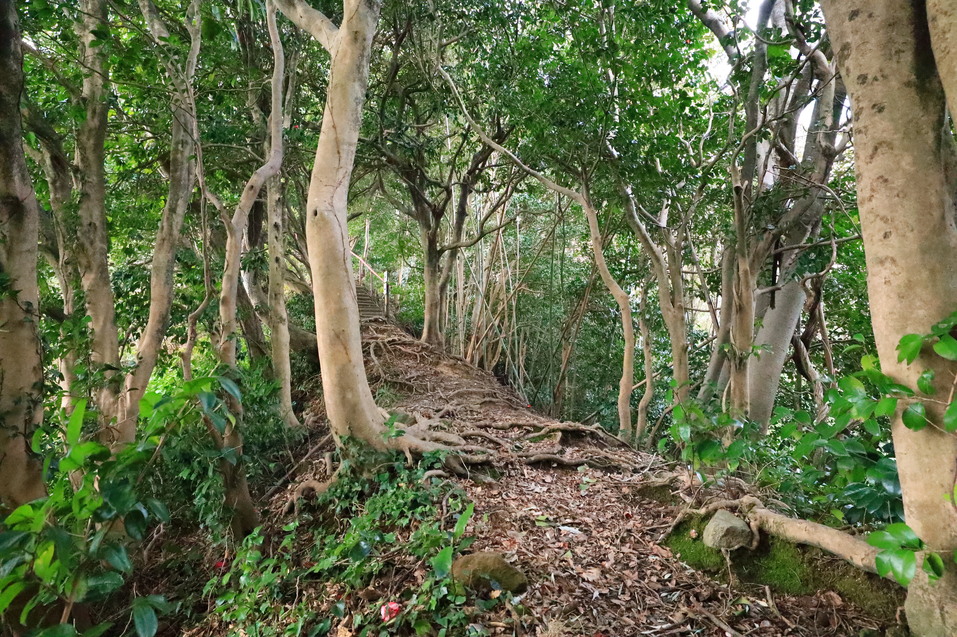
pixel 21 373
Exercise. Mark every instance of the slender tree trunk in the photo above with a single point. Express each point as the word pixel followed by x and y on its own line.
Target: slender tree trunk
pixel 648 356
pixel 627 324
pixel 899 61
pixel 92 245
pixel 21 372
pixel 278 318
pixel 742 326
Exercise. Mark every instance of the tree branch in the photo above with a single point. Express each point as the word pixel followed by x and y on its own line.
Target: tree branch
pixel 310 20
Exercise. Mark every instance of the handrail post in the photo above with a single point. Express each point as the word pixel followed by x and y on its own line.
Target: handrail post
pixel 385 284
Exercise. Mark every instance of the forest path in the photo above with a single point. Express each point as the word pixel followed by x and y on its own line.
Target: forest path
pixel 571 506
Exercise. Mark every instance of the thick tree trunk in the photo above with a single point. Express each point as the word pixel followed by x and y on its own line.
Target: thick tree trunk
pixel 773 342
pixel 898 59
pixel 433 325
pixel 349 403
pixel 21 372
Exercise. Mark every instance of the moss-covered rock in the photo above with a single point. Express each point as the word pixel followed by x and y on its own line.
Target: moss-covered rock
pixel 484 572
pixel 789 569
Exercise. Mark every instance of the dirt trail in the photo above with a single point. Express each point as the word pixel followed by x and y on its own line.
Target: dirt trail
pixel 566 505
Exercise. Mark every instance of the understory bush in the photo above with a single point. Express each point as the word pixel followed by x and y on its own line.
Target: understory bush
pixel 373 554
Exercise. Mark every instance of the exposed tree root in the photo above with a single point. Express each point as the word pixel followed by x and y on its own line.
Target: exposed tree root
pixel 847 547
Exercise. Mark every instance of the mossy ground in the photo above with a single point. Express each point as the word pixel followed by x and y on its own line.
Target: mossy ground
pixel 788 569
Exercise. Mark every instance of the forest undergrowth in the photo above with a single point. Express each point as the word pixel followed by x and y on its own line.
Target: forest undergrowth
pixel 589 520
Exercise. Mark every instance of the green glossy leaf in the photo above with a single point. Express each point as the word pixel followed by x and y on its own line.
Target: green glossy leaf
pixel 946 347
pixel 10 539
pixel 886 407
pixel 950 417
pixel 463 521
pixel 915 416
pixel 144 618
pixel 933 566
pixel 925 382
pixel 74 427
pixel 8 594
pixel 230 387
pixel 909 348
pixel 117 557
pixel 901 564
pixel 101 585
pixel 158 509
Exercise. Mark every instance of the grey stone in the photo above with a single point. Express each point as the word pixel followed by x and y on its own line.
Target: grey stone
pixel 726 531
pixel 484 572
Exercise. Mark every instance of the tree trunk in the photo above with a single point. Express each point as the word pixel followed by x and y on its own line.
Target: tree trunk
pixel 899 60
pixel 774 342
pixel 278 318
pixel 92 240
pixel 21 372
pixel 433 329
pixel 349 403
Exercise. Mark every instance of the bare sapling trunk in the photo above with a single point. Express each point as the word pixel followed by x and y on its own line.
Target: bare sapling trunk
pixel 742 326
pixel 92 244
pixel 648 356
pixel 899 61
pixel 278 317
pixel 21 372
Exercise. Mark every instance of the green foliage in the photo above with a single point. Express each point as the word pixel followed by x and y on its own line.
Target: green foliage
pixel 348 541
pixel 70 546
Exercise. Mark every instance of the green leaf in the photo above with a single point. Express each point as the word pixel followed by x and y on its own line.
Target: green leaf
pixel 915 416
pixel 102 584
pixel 231 388
pixel 950 418
pixel 933 566
pixel 442 563
pixel 925 382
pixel 895 536
pixel 97 630
pixel 360 551
pixel 23 514
pixel 158 509
pixel 8 594
pixel 900 563
pixel 144 618
pixel 135 523
pixel 10 539
pixel 852 386
pixel 463 521
pixel 60 630
pixel 946 347
pixel 116 556
pixel 74 427
pixel 886 406
pixel 909 348
pixel 119 495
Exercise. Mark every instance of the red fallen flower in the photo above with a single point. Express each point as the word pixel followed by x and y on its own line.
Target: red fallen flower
pixel 221 564
pixel 390 611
